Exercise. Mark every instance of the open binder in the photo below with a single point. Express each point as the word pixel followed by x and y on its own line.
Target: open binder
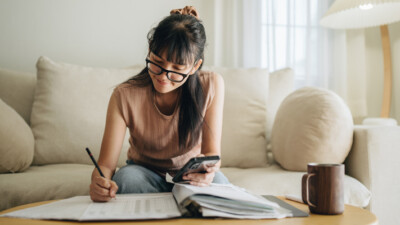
pixel 227 201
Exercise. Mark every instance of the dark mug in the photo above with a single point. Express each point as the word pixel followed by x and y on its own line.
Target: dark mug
pixel 323 188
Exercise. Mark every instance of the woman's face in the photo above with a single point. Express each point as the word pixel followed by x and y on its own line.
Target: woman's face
pixel 160 82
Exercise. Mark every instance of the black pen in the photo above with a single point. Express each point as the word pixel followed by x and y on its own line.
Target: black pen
pixel 94 162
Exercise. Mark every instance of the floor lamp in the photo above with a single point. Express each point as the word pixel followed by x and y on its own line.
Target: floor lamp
pixel 352 14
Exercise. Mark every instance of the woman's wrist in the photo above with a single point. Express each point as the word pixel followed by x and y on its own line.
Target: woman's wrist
pixel 108 173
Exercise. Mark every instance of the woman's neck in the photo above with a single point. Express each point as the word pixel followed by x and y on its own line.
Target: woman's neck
pixel 167 102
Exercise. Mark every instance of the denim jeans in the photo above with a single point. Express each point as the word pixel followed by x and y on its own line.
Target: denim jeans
pixel 133 178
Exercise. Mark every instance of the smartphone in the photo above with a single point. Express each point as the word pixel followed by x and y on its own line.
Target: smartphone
pixel 196 165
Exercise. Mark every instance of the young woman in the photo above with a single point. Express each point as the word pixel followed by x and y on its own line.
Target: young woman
pixel 173 112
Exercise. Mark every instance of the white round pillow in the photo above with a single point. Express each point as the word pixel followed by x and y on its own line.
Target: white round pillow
pixel 311 125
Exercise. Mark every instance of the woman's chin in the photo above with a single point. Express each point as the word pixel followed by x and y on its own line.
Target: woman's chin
pixel 162 89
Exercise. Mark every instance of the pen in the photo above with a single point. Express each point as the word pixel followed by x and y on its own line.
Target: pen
pixel 94 162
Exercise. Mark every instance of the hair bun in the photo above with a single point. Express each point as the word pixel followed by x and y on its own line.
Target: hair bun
pixel 188 10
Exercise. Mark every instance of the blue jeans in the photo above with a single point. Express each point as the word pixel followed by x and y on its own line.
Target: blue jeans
pixel 133 178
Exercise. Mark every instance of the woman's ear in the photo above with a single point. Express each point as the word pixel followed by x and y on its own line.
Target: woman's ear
pixel 196 67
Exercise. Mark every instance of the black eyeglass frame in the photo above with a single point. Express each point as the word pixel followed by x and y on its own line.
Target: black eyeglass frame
pixel 167 71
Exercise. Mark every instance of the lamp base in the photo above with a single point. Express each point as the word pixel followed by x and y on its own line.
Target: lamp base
pixel 387 64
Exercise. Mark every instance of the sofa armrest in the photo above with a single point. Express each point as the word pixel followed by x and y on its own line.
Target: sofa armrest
pixel 374 160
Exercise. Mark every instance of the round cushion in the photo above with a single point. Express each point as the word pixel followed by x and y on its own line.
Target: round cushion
pixel 16 141
pixel 311 125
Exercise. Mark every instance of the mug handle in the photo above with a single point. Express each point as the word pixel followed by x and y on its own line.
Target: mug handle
pixel 306 189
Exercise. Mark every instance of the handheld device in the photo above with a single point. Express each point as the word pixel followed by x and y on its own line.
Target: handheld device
pixel 195 165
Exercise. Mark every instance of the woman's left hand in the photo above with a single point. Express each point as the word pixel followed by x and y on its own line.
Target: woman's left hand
pixel 202 179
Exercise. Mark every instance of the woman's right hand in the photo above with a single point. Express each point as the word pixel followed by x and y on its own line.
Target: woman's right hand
pixel 102 189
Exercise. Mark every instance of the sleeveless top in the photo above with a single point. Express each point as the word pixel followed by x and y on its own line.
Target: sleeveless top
pixel 153 135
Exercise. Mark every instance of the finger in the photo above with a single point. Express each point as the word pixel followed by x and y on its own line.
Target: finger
pixel 201 177
pixel 97 198
pixel 113 189
pixel 212 169
pixel 103 182
pixel 195 176
pixel 200 155
pixel 200 184
pixel 100 191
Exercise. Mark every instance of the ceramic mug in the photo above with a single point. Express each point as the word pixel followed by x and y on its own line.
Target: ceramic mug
pixel 323 188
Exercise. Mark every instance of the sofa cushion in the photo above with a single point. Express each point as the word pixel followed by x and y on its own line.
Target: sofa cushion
pixel 17 90
pixel 69 111
pixel 274 180
pixel 281 84
pixel 44 183
pixel 244 123
pixel 67 180
pixel 311 125
pixel 16 141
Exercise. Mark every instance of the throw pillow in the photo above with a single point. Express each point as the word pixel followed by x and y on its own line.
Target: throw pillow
pixel 17 90
pixel 281 84
pixel 243 141
pixel 69 110
pixel 16 138
pixel 311 125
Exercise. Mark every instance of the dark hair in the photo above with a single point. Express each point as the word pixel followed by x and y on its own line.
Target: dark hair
pixel 183 39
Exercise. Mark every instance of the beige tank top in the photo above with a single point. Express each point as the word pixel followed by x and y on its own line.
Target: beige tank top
pixel 153 135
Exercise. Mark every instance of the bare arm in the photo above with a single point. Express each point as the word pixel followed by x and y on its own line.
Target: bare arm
pixel 102 189
pixel 212 132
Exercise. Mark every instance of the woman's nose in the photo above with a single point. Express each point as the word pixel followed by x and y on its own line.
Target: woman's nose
pixel 163 75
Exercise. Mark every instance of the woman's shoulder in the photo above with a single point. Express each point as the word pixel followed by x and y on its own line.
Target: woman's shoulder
pixel 132 85
pixel 126 84
pixel 212 78
pixel 207 74
pixel 131 88
pixel 212 83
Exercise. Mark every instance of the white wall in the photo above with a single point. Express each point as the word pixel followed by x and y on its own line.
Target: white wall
pixel 103 33
pixel 112 33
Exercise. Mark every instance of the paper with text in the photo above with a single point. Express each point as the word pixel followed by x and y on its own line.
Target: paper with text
pixel 182 191
pixel 124 207
pixel 139 206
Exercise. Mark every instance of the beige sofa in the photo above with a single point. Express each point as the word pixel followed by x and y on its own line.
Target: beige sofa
pixel 47 119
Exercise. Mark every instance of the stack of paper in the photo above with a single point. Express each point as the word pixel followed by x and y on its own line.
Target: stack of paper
pixel 225 201
pixel 185 200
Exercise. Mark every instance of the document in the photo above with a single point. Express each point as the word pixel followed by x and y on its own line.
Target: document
pixel 185 200
pixel 226 201
pixel 136 206
pixel 124 207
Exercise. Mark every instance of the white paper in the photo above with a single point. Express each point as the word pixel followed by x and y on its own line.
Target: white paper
pixel 124 207
pixel 182 191
pixel 146 206
pixel 138 206
pixel 169 178
pixel 214 213
pixel 70 209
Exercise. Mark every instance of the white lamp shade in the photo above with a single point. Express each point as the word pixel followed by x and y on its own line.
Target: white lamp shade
pixel 350 14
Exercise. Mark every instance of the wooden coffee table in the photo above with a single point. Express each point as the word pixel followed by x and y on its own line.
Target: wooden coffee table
pixel 352 215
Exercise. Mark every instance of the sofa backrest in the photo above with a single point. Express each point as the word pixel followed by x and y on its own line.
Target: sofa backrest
pixel 263 93
pixel 17 90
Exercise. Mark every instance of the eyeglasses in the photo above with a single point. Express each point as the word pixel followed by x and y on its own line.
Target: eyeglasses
pixel 171 75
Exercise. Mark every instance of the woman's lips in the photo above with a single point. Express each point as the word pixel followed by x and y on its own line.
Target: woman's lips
pixel 162 82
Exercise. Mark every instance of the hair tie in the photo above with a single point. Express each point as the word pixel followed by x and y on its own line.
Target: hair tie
pixel 188 10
